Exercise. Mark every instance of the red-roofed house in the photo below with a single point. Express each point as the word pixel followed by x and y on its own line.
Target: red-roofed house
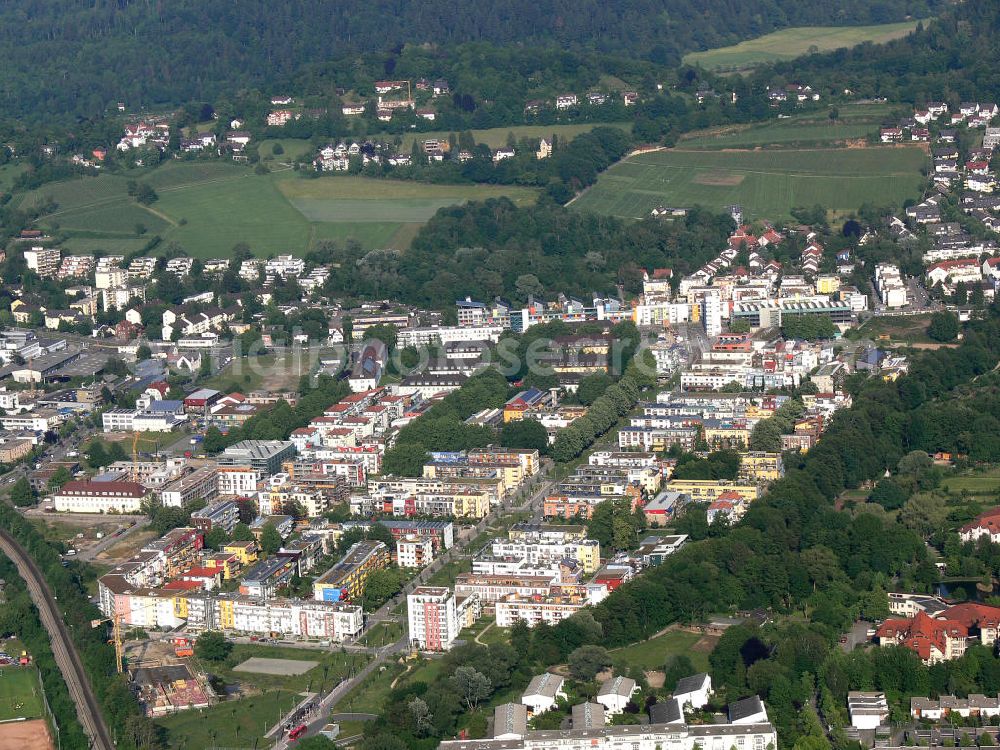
pixel 985 525
pixel 770 237
pixel 159 387
pixel 932 640
pixel 729 506
pixel 980 620
pixel 954 271
pixel 207 578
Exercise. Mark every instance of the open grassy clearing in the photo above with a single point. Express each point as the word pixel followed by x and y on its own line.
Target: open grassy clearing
pixel 295 149
pixel 330 668
pixel 790 43
pixel 364 199
pixel 767 183
pixel 220 213
pixel 369 697
pixel 266 371
pixel 80 244
pixel 209 206
pixel 853 122
pixel 9 173
pixel 977 483
pixel 240 723
pixel 654 653
pixel 20 693
pixel 907 329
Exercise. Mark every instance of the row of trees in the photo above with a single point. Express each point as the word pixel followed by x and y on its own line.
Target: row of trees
pixel 568 170
pixel 602 415
pixel 133 730
pixel 495 248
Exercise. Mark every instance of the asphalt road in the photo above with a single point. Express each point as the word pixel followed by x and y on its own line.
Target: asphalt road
pixel 87 708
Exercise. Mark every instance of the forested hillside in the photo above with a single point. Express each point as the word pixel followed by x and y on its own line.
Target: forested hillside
pixel 953 59
pixel 69 57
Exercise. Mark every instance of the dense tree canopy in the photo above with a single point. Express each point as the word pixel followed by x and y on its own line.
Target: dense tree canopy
pixel 203 50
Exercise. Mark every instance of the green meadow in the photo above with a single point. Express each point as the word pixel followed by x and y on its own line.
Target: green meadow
pixel 207 207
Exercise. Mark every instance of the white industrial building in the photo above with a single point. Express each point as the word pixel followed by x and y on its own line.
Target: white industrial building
pixel 868 710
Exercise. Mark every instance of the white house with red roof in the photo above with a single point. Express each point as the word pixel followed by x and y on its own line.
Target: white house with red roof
pixel 932 640
pixel 729 506
pixel 945 636
pixel 985 524
pixel 954 271
pixel 157 391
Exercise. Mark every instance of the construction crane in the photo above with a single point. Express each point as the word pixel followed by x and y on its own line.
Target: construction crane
pixel 135 456
pixel 116 637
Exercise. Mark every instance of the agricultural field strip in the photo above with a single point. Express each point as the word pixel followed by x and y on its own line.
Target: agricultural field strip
pixel 116 199
pixel 735 167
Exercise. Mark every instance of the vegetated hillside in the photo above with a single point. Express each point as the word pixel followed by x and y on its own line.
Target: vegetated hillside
pixel 951 59
pixel 69 57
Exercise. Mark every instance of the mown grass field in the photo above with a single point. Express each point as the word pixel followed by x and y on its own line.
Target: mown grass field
pixel 978 484
pixel 365 200
pixel 210 206
pixel 853 122
pixel 654 653
pixel 240 723
pixel 20 693
pixel 768 183
pixel 790 43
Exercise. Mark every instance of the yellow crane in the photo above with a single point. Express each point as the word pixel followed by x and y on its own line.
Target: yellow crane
pixel 135 456
pixel 116 638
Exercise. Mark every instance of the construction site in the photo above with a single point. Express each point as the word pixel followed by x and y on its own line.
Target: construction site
pixel 168 688
pixel 161 680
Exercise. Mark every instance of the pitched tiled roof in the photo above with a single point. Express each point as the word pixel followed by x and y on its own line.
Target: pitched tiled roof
pixel 922 633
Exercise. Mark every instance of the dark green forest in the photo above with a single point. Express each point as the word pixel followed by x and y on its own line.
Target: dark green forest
pixel 79 58
pixel 495 248
pixel 952 59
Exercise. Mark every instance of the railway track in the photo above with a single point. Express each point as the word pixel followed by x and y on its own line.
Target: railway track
pixel 87 708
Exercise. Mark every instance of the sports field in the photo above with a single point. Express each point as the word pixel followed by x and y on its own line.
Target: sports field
pixel 790 43
pixel 210 206
pixel 20 696
pixel 854 122
pixel 767 183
